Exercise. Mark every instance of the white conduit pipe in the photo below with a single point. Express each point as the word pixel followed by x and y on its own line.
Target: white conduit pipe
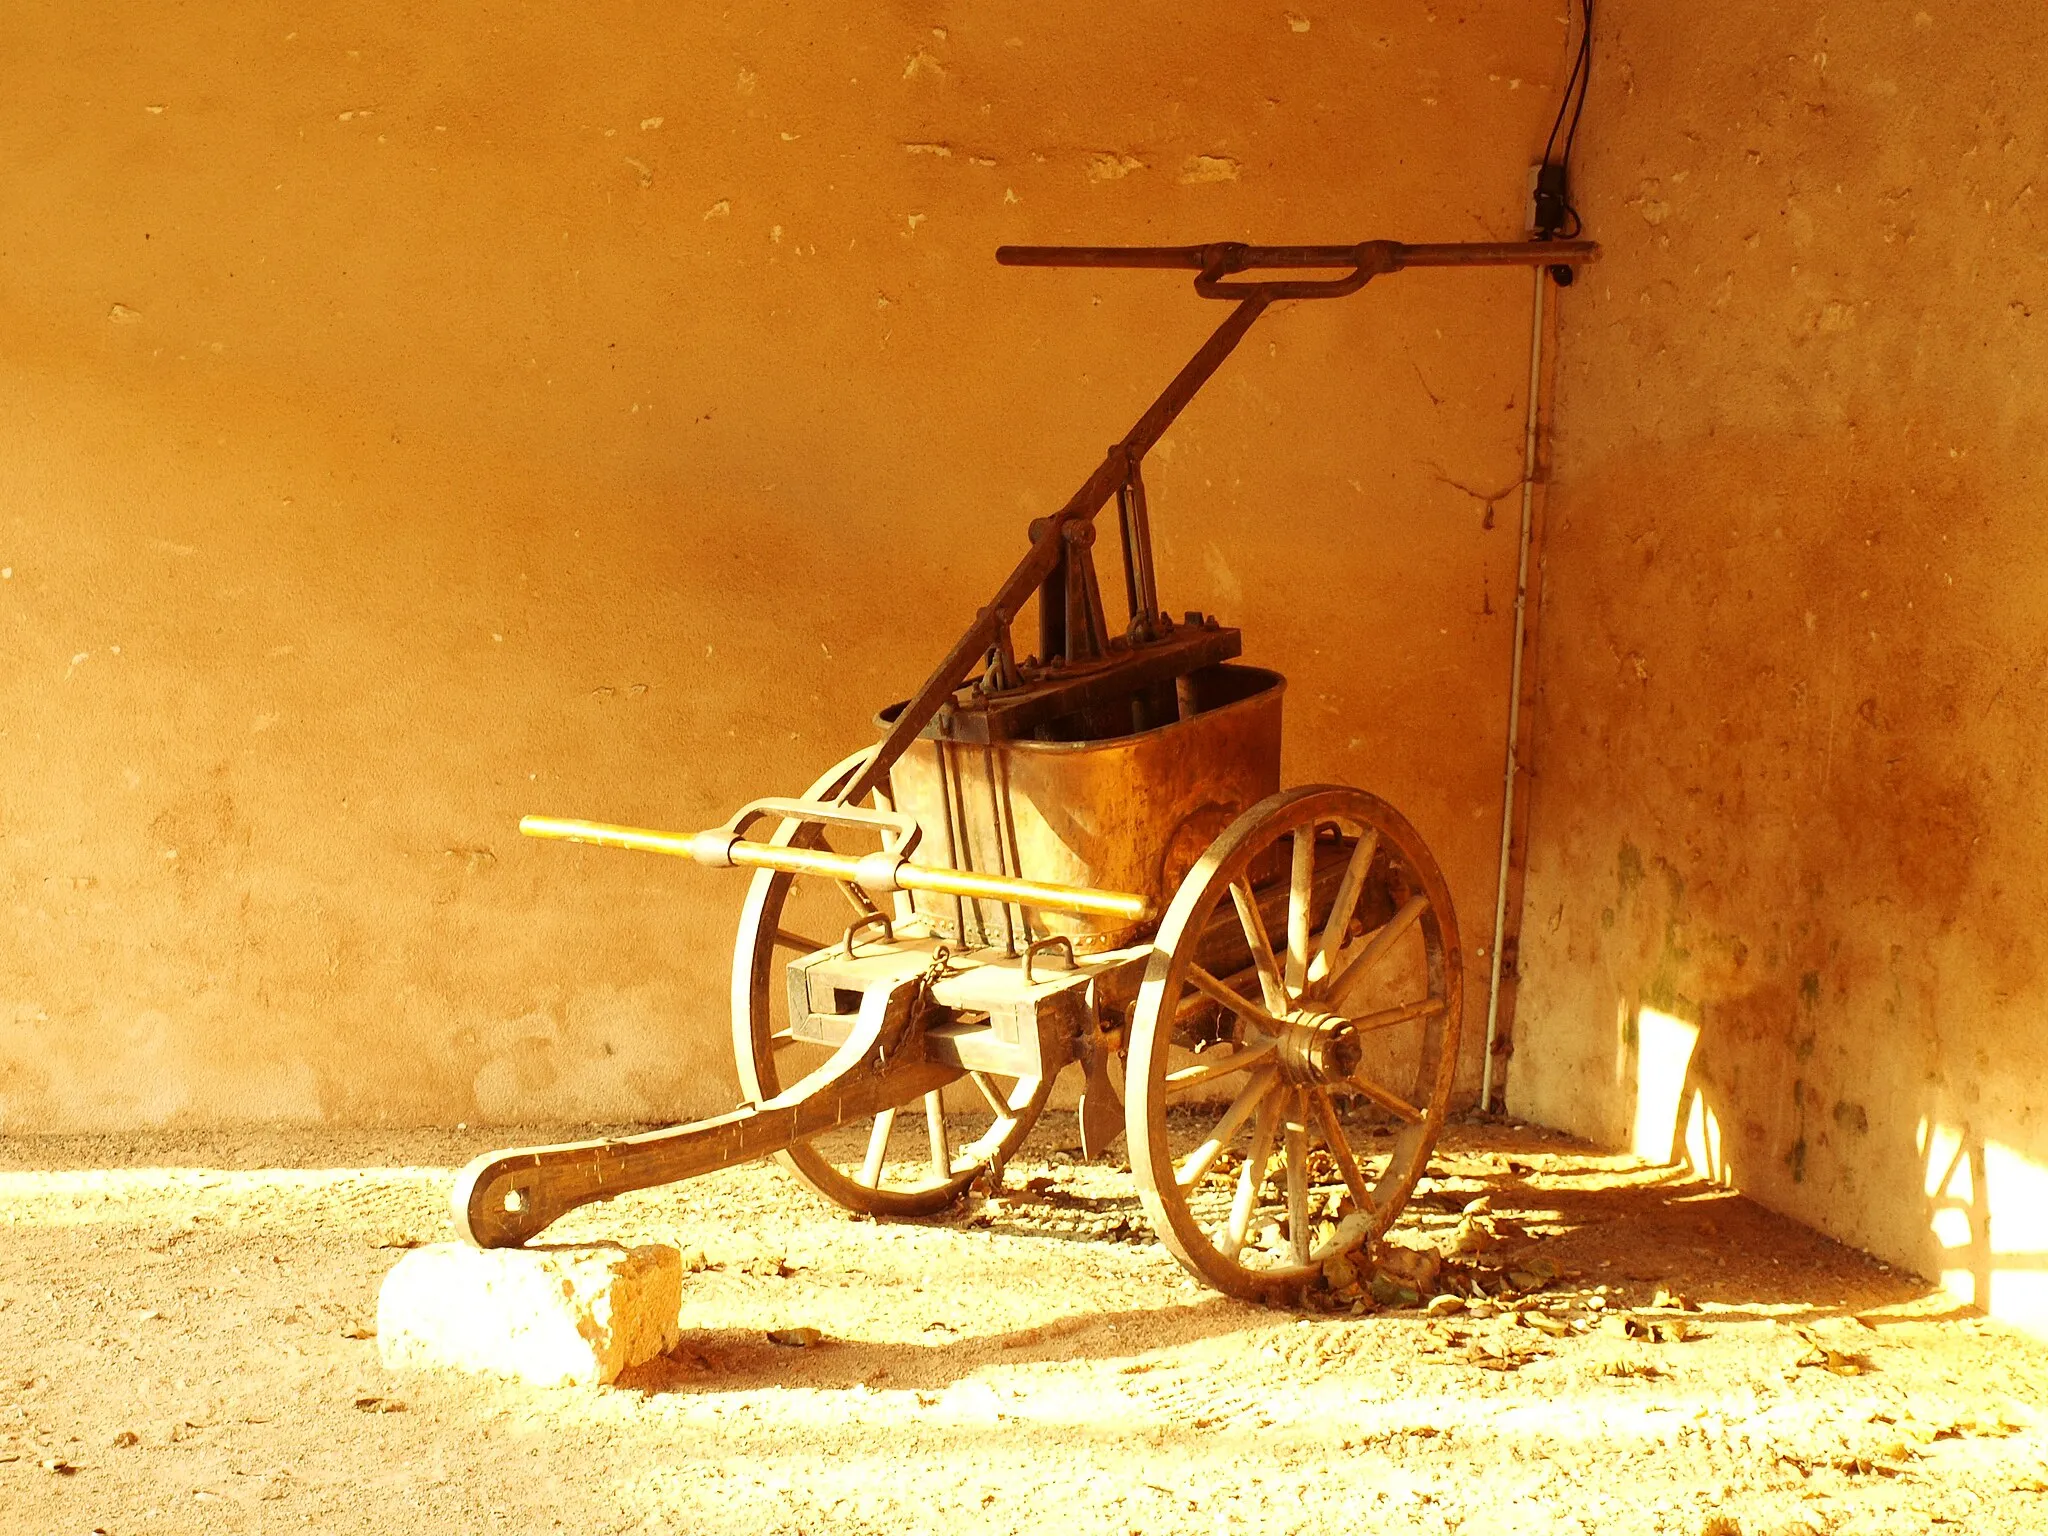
pixel 1507 791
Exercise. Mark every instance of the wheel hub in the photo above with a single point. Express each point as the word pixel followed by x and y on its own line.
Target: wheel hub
pixel 1318 1048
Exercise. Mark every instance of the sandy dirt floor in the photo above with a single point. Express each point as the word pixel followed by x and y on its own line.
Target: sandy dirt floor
pixel 186 1344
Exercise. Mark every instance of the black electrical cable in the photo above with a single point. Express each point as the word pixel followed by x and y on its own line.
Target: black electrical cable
pixel 1574 100
pixel 1552 213
pixel 1571 137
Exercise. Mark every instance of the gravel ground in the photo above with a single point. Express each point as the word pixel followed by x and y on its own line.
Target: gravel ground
pixel 186 1344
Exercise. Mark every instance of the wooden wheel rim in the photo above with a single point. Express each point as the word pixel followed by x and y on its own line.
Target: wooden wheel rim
pixel 1279 1117
pixel 754 972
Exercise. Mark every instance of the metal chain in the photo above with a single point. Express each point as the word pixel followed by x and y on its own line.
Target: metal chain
pixel 920 1004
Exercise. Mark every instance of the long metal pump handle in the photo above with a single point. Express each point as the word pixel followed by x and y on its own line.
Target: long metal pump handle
pixel 1367 259
pixel 1212 264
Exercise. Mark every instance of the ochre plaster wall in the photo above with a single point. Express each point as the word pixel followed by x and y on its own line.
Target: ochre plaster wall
pixel 420 415
pixel 1788 808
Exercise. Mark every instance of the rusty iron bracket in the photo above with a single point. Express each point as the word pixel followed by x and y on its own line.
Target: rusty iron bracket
pixel 1051 945
pixel 860 924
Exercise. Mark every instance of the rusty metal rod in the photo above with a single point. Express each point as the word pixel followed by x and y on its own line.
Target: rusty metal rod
pixel 1532 425
pixel 876 871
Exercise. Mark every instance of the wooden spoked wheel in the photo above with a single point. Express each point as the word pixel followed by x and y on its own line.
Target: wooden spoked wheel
pixel 911 1162
pixel 1294 1042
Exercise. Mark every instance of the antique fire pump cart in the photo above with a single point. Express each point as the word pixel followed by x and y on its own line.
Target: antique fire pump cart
pixel 1080 856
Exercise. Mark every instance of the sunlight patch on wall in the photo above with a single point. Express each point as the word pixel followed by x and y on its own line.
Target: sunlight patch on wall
pixel 1673 1122
pixel 1988 1209
pixel 1703 1149
pixel 1664 1047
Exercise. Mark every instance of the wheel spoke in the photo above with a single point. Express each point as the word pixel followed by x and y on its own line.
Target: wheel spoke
pixel 1386 1098
pixel 989 1094
pixel 1250 1180
pixel 856 897
pixel 878 1148
pixel 1232 999
pixel 1296 1143
pixel 1252 1096
pixel 1356 969
pixel 1300 891
pixel 785 939
pixel 1407 1013
pixel 942 1141
pixel 1340 1149
pixel 1193 1002
pixel 1187 1079
pixel 1262 947
pixel 1349 889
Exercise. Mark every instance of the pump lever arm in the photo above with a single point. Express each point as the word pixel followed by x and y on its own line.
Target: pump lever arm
pixel 1366 260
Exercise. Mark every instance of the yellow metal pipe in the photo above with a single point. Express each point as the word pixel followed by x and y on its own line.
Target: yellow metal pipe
pixel 604 834
pixel 1024 893
pixel 878 871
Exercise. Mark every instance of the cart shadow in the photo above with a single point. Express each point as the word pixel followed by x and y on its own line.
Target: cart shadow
pixel 1663 1229
pixel 1657 1230
pixel 1596 1221
pixel 738 1360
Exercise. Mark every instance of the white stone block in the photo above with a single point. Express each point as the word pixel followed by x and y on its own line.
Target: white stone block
pixel 556 1316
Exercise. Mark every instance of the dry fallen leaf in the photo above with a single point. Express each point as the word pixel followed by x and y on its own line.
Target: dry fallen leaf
pixel 1414 1268
pixel 1386 1291
pixel 1339 1272
pixel 1642 1369
pixel 1475 1234
pixel 1839 1362
pixel 1499 1355
pixel 1653 1330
